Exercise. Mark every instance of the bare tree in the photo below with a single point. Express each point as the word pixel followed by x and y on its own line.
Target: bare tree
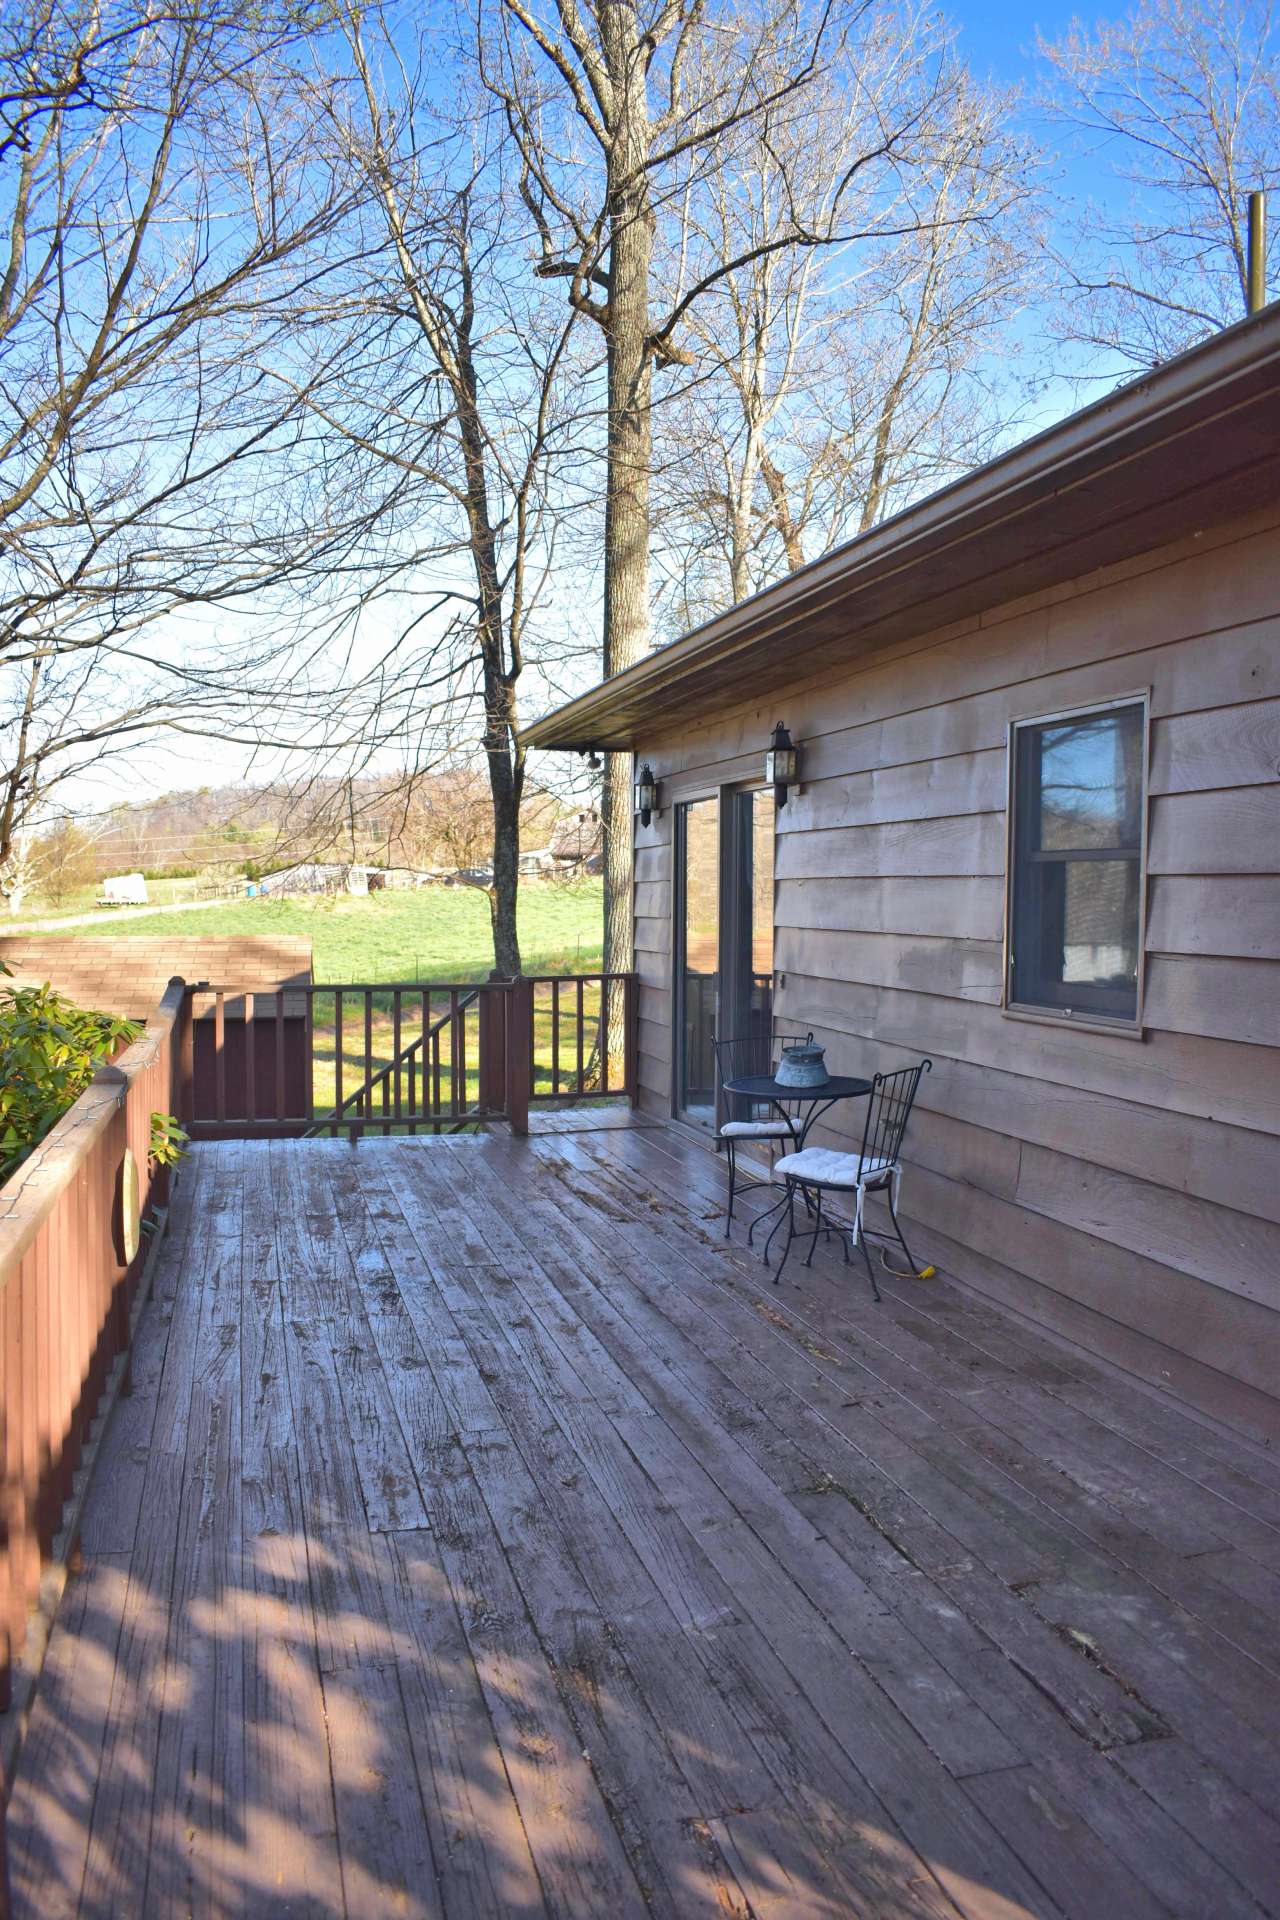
pixel 612 104
pixel 833 382
pixel 65 857
pixel 1182 98
pixel 461 392
pixel 165 236
pixel 64 56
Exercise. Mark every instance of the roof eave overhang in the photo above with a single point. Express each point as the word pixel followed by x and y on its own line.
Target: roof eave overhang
pixel 1201 434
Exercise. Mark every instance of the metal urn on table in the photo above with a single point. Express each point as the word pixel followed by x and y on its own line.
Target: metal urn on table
pixel 803 1064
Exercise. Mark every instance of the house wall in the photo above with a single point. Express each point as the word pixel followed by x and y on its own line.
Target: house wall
pixel 1125 1192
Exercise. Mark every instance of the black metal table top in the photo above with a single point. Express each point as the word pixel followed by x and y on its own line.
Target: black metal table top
pixel 763 1086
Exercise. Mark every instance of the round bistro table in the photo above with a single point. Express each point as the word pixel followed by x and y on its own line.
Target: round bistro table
pixel 814 1100
pixel 817 1100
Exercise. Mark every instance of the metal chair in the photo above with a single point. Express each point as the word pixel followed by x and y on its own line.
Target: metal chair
pixel 875 1168
pixel 748 1120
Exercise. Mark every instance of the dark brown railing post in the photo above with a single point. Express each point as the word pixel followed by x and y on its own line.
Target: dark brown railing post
pixel 631 1040
pixel 250 1060
pixel 493 1047
pixel 183 1058
pixel 337 1057
pixel 397 1047
pixel 579 1086
pixel 309 1056
pixel 519 1053
pixel 220 1056
pixel 457 1057
pixel 280 1109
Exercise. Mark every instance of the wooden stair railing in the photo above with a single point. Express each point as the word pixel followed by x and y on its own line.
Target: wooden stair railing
pixel 335 1057
pixel 388 1077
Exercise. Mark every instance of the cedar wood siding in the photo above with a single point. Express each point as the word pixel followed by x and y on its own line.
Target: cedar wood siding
pixel 1123 1192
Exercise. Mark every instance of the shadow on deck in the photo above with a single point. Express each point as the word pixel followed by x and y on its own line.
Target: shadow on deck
pixel 485 1536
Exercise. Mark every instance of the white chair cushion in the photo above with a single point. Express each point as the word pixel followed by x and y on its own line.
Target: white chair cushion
pixel 755 1130
pixel 822 1168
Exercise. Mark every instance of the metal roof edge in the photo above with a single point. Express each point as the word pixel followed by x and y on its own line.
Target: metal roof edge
pixel 1081 445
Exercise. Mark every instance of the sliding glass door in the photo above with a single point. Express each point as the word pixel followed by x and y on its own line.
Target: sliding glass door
pixel 697 958
pixel 724 938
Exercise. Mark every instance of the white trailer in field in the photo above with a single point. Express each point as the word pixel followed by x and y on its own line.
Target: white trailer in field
pixel 123 890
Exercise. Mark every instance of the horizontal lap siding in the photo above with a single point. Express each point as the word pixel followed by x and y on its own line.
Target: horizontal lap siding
pixel 1124 1192
pixel 1235 916
pixel 652 910
pixel 1190 1075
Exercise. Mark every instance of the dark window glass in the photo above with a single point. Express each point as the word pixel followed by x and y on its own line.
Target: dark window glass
pixel 1077 845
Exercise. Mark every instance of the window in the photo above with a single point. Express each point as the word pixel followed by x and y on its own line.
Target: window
pixel 1076 846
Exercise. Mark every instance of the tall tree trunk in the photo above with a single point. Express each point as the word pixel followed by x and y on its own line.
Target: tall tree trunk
pixel 873 499
pixel 793 545
pixel 506 789
pixel 626 533
pixel 740 518
pixel 505 760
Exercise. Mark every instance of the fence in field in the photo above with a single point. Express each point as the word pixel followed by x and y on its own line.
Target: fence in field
pixel 72 1247
pixel 405 1057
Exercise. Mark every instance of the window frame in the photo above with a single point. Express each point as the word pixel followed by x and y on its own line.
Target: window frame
pixel 1091 1020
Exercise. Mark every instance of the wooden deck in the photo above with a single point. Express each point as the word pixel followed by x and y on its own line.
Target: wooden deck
pixel 484 1537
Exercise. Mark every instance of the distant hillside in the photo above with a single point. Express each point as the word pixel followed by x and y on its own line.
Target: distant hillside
pixel 440 820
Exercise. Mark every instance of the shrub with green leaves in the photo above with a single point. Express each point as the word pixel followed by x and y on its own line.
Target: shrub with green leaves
pixel 169 1139
pixel 49 1051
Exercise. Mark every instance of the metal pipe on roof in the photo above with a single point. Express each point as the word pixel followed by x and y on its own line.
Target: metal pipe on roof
pixel 1257 259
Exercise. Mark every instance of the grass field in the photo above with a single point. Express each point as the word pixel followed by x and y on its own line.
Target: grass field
pixel 436 933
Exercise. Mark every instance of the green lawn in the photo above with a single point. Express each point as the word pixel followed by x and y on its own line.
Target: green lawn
pixel 436 933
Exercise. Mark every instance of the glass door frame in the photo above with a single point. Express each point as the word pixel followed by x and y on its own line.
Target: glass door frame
pixel 679 969
pixel 734 910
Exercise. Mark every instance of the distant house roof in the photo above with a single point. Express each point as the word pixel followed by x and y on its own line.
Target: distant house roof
pixel 127 975
pixel 1188 445
pixel 576 835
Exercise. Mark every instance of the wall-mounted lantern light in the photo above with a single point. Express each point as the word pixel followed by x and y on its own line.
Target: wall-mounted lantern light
pixel 646 795
pixel 781 764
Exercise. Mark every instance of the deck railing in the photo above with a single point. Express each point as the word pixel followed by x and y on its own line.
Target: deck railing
pixel 70 1257
pixel 572 1018
pixel 404 1056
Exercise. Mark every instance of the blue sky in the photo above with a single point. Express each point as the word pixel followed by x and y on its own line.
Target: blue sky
pixel 1000 40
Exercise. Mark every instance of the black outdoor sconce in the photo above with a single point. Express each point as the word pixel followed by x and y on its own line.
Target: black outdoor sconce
pixel 781 764
pixel 646 795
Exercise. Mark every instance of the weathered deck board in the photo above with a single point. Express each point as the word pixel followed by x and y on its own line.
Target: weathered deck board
pixel 487 1536
pixel 290 1821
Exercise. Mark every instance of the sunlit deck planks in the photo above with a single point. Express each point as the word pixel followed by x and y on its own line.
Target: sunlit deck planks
pixel 484 1536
